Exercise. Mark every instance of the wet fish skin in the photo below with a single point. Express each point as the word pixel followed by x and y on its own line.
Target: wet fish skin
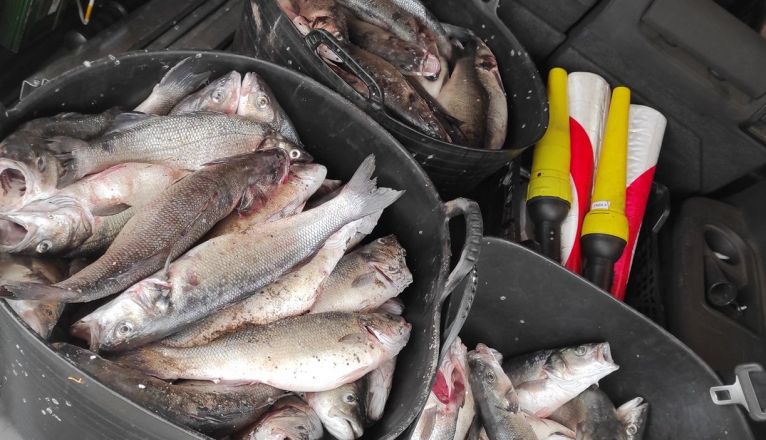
pixel 366 278
pixel 222 271
pixel 286 200
pixel 399 95
pixel 221 95
pixel 40 316
pixel 76 125
pixel 291 295
pixel 177 83
pixel 257 102
pixel 105 230
pixel 184 141
pixel 547 379
pixel 28 171
pixel 464 97
pixel 498 403
pixel 378 388
pixel 488 73
pixel 409 58
pixel 592 416
pixel 548 429
pixel 289 418
pixel 438 420
pixel 212 409
pixel 429 21
pixel 308 353
pixel 163 230
pixel 633 415
pixel 341 410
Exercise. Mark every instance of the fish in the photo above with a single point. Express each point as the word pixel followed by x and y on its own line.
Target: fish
pixel 76 125
pixel 438 420
pixel 341 410
pixel 322 194
pixel 221 95
pixel 399 96
pixel 180 81
pixel 592 416
pixel 309 15
pixel 291 295
pixel 488 72
pixel 257 102
pixel 409 58
pixel 394 306
pixel 212 409
pixel 477 431
pixel 185 141
pixel 467 411
pixel 40 316
pixel 105 230
pixel 289 419
pixel 429 21
pixel 464 97
pixel 28 171
pixel 377 389
pixel 286 200
pixel 366 278
pixel 307 353
pixel 391 17
pixel 548 429
pixel 163 230
pixel 228 268
pixel 494 393
pixel 547 379
pixel 633 415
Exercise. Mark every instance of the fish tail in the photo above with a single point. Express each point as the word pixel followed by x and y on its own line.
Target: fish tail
pixel 362 192
pixel 182 76
pixel 37 292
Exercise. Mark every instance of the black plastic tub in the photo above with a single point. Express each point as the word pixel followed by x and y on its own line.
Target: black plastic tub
pixel 45 396
pixel 525 303
pixel 265 32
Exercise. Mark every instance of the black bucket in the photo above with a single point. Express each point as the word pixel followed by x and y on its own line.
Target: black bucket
pixel 265 32
pixel 526 303
pixel 39 384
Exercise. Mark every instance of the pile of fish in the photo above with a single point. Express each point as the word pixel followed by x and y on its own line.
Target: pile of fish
pixel 440 79
pixel 549 394
pixel 236 294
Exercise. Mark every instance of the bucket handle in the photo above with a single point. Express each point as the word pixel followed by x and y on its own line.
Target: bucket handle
pixel 466 266
pixel 321 36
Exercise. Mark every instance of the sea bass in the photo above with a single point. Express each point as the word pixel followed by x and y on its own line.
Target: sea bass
pixel 257 102
pixel 28 171
pixel 289 419
pixel 178 82
pixel 308 353
pixel 221 95
pixel 592 416
pixel 166 228
pixel 378 387
pixel 228 268
pixel 633 415
pixel 341 410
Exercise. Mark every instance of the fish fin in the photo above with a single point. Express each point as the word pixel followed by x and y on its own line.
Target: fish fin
pixel 124 121
pixel 65 149
pixel 362 192
pixel 36 292
pixel 182 75
pixel 153 295
pixel 428 419
pixel 107 211
pixel 363 280
pixel 353 338
pixel 513 401
pixel 149 264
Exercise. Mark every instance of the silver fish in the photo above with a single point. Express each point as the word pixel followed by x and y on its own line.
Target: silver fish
pixel 341 410
pixel 633 415
pixel 366 278
pixel 378 388
pixel 221 95
pixel 291 295
pixel 308 353
pixel 498 403
pixel 40 316
pixel 592 416
pixel 289 419
pixel 548 429
pixel 547 379
pixel 212 409
pixel 393 306
pixel 257 102
pixel 28 171
pixel 163 230
pixel 105 230
pixel 222 270
pixel 185 141
pixel 178 82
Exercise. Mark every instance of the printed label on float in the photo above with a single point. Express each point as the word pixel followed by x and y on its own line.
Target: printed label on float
pixel 600 204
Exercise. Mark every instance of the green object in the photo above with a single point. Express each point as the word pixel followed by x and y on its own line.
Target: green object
pixel 24 20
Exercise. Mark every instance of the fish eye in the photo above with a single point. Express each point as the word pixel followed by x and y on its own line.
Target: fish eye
pixel 217 96
pixel 631 429
pixel 295 154
pixel 490 377
pixel 44 246
pixel 581 350
pixel 124 329
pixel 349 398
pixel 262 101
pixel 40 163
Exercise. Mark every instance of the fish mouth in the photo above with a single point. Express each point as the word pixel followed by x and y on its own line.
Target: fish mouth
pixel 14 179
pixel 14 233
pixel 605 353
pixel 354 427
pixel 88 331
pixel 431 67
